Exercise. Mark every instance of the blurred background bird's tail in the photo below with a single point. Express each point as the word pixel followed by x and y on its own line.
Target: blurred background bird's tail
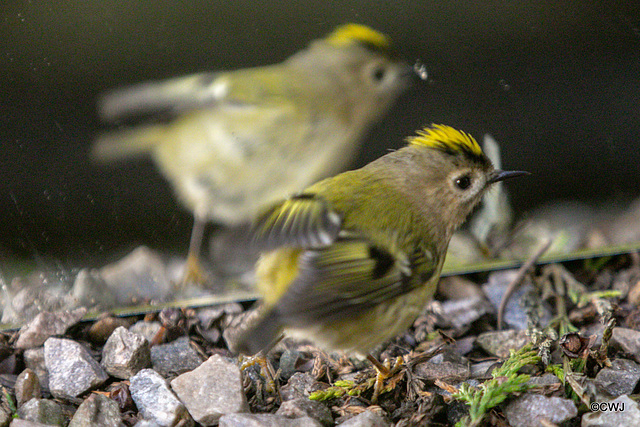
pixel 127 143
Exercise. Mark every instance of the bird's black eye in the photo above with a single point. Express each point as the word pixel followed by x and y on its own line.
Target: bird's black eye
pixel 378 74
pixel 463 182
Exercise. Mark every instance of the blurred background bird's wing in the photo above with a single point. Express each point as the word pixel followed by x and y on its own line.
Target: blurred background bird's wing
pixel 165 97
pixel 303 221
pixel 348 277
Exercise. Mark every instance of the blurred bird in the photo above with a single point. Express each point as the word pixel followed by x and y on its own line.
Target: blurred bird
pixel 240 140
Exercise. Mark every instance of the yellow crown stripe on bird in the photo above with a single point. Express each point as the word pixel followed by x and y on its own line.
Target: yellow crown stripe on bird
pixel 349 33
pixel 447 139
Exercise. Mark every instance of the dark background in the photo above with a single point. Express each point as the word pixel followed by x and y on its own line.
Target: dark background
pixel 556 83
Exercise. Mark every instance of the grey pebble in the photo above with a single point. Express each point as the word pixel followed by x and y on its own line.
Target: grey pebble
pixel 174 358
pixel 27 387
pixel 528 409
pixel 147 329
pixel 499 343
pixel 155 400
pixel 304 407
pixel 42 411
pixel 47 324
pixel 72 370
pixel 627 417
pixel 97 410
pixel 211 390
pixel 366 419
pixel 627 340
pixel 125 353
pixel 34 360
pixel 621 378
pixel 265 420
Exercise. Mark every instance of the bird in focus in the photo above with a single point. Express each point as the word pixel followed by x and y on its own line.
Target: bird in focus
pixel 237 141
pixel 351 261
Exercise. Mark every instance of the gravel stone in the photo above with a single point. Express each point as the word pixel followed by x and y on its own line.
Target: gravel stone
pixel 155 400
pixel 514 315
pixel 627 340
pixel 629 417
pixel 42 411
pixel 174 358
pixel 27 387
pixel 621 378
pixel 528 409
pixel 72 370
pixel 366 419
pixel 265 420
pixel 211 390
pixel 47 324
pixel 97 410
pixel 498 343
pixel 34 360
pixel 303 407
pixel 147 329
pixel 125 353
pixel 299 385
pixel 447 366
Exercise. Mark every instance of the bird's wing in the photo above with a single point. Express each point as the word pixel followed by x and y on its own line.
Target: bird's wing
pixel 349 276
pixel 170 96
pixel 302 221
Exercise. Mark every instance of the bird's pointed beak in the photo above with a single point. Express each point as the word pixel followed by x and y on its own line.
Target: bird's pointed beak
pixel 500 175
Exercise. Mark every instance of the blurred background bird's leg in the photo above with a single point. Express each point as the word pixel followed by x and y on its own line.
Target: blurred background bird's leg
pixel 193 272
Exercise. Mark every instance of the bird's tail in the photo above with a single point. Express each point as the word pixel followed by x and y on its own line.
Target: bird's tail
pixel 127 143
pixel 260 334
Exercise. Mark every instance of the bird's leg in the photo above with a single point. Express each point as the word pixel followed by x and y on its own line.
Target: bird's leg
pixel 383 372
pixel 193 269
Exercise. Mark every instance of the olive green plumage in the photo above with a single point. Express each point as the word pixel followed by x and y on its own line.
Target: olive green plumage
pixel 351 261
pixel 237 141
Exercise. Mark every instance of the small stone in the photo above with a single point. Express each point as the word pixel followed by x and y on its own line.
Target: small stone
pixel 530 408
pixel 125 353
pixel 447 366
pixel 366 419
pixel 483 370
pixel 34 360
pixel 42 411
pixel 621 378
pixel 47 324
pixel 97 410
pixel 627 340
pixel 545 380
pixel 290 361
pixel 27 387
pixel 265 420
pixel 72 370
pixel 621 412
pixel 17 422
pixel 90 290
pixel 211 390
pixel 498 343
pixel 299 385
pixel 514 316
pixel 100 331
pixel 155 400
pixel 303 407
pixel 139 276
pixel 463 312
pixel 147 329
pixel 458 287
pixel 174 358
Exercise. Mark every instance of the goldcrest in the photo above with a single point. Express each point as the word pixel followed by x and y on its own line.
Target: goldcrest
pixel 238 141
pixel 351 261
